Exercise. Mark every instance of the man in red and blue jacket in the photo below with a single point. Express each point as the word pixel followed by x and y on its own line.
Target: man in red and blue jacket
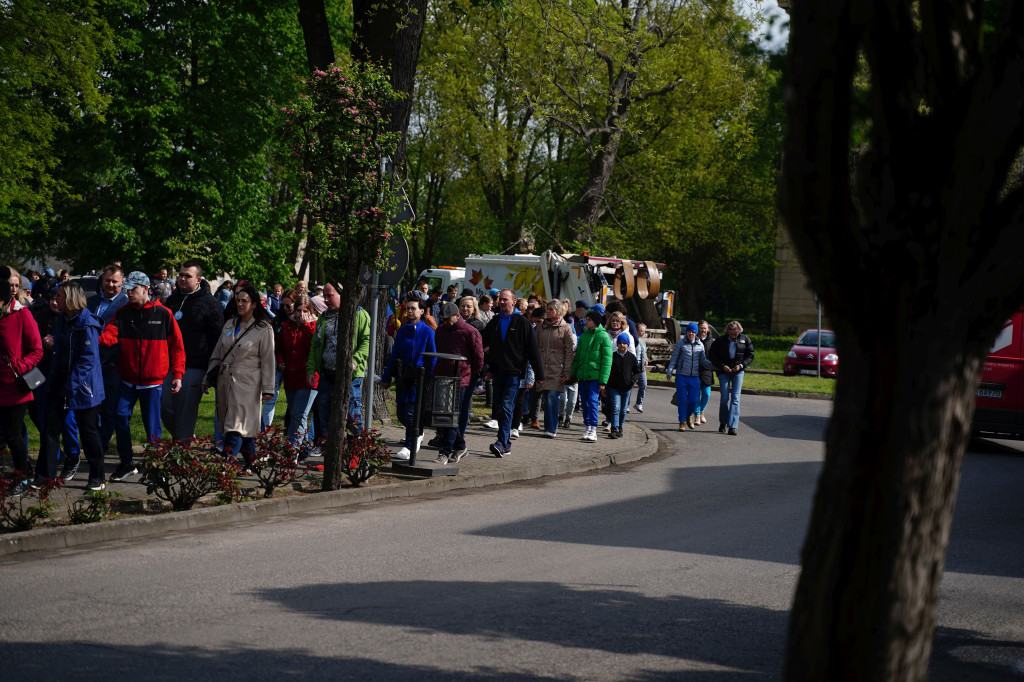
pixel 149 348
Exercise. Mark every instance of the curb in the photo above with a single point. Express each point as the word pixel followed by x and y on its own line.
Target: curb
pixel 65 537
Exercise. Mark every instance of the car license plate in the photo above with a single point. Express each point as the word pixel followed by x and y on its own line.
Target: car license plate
pixel 993 393
pixel 812 372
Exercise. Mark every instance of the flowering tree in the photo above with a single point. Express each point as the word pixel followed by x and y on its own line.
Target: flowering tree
pixel 339 132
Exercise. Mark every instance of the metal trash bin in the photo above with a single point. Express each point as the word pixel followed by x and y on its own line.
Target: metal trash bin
pixel 445 394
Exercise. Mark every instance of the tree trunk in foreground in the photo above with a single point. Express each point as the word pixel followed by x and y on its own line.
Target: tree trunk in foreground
pixel 335 450
pixel 913 243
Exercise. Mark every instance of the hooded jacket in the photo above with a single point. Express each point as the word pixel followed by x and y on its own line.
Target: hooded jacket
pixel 77 340
pixel 149 344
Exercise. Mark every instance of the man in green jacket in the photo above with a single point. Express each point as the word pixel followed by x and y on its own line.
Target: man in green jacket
pixel 323 358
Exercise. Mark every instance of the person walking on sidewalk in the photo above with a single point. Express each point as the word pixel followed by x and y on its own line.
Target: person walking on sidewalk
pixel 555 341
pixel 245 371
pixel 457 337
pixel 707 375
pixel 641 358
pixel 149 347
pixel 623 375
pixel 105 305
pixel 591 367
pixel 686 362
pixel 731 354
pixel 199 319
pixel 22 350
pixel 413 339
pixel 509 344
pixel 75 385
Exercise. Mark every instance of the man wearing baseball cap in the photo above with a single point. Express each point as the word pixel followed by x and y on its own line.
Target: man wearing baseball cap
pixel 149 347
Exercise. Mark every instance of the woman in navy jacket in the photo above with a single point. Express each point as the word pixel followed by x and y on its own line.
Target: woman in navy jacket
pixel 76 383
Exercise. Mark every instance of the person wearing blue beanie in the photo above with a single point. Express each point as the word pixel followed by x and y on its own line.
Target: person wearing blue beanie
pixel 687 359
pixel 624 374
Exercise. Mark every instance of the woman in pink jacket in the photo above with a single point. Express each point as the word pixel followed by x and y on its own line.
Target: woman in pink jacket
pixel 21 349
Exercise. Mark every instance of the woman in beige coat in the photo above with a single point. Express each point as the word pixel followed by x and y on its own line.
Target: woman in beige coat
pixel 244 355
pixel 555 341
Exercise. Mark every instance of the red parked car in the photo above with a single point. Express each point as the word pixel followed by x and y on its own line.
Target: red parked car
pixel 802 358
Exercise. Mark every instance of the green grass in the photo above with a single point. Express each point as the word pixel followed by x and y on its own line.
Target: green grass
pixel 778 382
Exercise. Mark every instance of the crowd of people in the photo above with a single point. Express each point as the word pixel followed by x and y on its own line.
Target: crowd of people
pixel 146 341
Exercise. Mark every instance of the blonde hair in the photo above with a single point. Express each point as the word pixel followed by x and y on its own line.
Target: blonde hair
pixel 476 308
pixel 74 296
pixel 620 318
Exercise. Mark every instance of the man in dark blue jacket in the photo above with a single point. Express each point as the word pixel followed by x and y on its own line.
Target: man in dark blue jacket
pixel 105 305
pixel 509 344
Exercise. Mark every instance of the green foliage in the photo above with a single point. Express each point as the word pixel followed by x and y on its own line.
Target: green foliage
pixel 338 132
pixel 365 455
pixel 92 507
pixel 51 55
pixel 509 110
pixel 181 473
pixel 22 512
pixel 275 460
pixel 182 165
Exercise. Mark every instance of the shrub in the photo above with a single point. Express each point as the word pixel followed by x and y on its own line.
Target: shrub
pixel 181 473
pixel 275 460
pixel 92 507
pixel 21 512
pixel 367 453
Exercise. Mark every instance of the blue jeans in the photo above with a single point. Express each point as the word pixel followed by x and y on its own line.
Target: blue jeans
pixel 269 406
pixel 149 403
pixel 552 400
pixel 506 389
pixel 641 389
pixel 454 438
pixel 407 417
pixel 300 402
pixel 730 384
pixel 705 396
pixel 619 401
pixel 355 402
pixel 322 407
pixel 568 401
pixel 687 395
pixel 235 445
pixel 590 398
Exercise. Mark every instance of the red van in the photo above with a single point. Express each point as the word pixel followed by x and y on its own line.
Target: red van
pixel 999 405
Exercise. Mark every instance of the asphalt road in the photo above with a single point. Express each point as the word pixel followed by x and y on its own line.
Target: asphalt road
pixel 679 567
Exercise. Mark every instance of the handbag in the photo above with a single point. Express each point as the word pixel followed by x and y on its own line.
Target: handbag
pixel 213 373
pixel 30 380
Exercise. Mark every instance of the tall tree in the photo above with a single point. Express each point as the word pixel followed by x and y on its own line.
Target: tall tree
pixel 52 56
pixel 188 143
pixel 913 244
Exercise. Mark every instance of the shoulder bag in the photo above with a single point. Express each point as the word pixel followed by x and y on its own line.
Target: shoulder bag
pixel 211 376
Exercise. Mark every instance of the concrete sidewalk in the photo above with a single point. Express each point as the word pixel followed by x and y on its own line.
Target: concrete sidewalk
pixel 532 456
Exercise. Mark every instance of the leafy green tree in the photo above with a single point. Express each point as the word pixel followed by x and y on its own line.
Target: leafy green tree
pixel 339 132
pixel 188 143
pixel 51 56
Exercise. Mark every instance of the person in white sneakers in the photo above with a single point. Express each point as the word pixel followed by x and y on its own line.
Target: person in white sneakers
pixel 591 366
pixel 413 339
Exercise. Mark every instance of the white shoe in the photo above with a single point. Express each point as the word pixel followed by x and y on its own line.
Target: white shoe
pixel 592 434
pixel 401 454
pixel 493 424
pixel 607 429
pixel 703 419
pixel 514 434
pixel 419 443
pixel 549 434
